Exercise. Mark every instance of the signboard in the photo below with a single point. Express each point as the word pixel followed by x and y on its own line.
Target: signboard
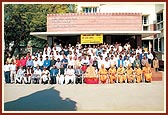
pixel 91 38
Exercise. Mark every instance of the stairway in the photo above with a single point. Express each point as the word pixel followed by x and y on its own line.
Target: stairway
pixel 156 76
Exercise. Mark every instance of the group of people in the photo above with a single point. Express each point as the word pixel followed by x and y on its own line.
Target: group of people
pixel 101 63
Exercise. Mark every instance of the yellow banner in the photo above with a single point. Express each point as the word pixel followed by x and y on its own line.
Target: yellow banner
pixel 91 38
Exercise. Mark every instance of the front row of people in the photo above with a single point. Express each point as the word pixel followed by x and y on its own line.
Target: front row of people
pixel 90 76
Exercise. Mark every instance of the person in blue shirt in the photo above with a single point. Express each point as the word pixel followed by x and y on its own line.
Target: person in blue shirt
pixel 53 74
pixel 47 63
pixel 64 61
pixel 29 63
pixel 99 51
pixel 143 54
pixel 120 61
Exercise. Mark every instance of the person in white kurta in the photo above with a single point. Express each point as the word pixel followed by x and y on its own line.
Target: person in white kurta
pixel 12 71
pixel 20 75
pixel 37 74
pixel 45 75
pixel 69 75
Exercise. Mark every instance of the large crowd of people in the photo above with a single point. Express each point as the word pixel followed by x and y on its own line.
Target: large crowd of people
pixel 100 63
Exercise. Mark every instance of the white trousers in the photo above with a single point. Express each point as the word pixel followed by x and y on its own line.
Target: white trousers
pixel 61 79
pixel 27 79
pixel 19 78
pixel 68 78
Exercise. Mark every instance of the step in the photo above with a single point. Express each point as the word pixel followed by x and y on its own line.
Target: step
pixel 156 76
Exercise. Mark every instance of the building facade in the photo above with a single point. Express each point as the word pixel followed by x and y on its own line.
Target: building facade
pixel 142 24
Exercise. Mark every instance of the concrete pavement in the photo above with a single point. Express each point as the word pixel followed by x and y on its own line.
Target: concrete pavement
pixel 134 97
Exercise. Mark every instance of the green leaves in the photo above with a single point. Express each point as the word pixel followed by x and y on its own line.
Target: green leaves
pixel 21 19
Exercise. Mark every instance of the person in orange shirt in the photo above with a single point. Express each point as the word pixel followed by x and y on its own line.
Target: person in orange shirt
pixel 121 74
pixel 138 74
pixel 129 74
pixel 147 73
pixel 112 74
pixel 103 74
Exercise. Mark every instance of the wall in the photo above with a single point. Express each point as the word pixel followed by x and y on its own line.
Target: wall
pixel 94 22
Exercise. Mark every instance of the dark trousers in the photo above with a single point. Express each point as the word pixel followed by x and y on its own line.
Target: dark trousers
pixel 53 79
pixel 7 77
pixel 78 80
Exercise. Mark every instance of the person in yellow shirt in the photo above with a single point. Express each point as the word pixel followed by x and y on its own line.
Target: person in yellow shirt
pixel 147 73
pixel 112 74
pixel 129 74
pixel 121 74
pixel 103 74
pixel 138 74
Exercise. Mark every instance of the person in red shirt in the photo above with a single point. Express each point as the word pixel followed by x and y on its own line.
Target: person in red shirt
pixel 17 62
pixel 23 62
pixel 84 67
pixel 27 56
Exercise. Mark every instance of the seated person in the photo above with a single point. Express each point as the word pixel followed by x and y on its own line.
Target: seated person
pixel 45 75
pixel 53 74
pixel 69 75
pixel 129 74
pixel 121 74
pixel 61 77
pixel 20 75
pixel 138 73
pixel 103 74
pixel 78 75
pixel 112 74
pixel 147 73
pixel 37 75
pixel 28 75
pixel 90 76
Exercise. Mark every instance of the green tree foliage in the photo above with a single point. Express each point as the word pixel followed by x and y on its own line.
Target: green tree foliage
pixel 21 19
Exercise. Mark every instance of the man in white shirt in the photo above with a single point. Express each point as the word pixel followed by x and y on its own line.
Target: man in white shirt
pixel 7 72
pixel 106 63
pixel 100 62
pixel 71 61
pixel 126 62
pixel 150 57
pixel 132 58
pixel 20 75
pixel 85 60
pixel 138 50
pixel 12 72
pixel 37 75
pixel 69 75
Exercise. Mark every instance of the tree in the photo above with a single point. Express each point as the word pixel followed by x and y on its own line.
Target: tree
pixel 21 19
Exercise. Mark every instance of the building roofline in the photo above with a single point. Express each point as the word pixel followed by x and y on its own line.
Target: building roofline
pixel 43 35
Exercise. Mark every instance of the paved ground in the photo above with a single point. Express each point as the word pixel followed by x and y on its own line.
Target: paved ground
pixel 83 97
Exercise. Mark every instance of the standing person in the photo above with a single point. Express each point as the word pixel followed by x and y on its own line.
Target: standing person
pixel 112 74
pixel 156 64
pixel 61 74
pixel 95 63
pixel 136 61
pixel 144 61
pixel 7 72
pixel 53 74
pixel 71 62
pixel 129 74
pixel 121 74
pixel 17 62
pixel 23 62
pixel 69 75
pixel 12 72
pixel 41 62
pixel 106 64
pixel 138 74
pixel 103 74
pixel 120 61
pixel 64 61
pixel 147 73
pixel 20 75
pixel 29 63
pixel 150 58
pixel 126 62
pixel 52 62
pixel 47 63
pixel 78 75
pixel 35 63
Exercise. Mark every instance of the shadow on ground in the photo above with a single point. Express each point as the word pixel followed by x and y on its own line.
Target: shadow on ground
pixel 45 100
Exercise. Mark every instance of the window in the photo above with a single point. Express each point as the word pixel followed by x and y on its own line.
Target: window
pixel 145 20
pixel 89 9
pixel 145 28
pixel 156 44
pixel 160 17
